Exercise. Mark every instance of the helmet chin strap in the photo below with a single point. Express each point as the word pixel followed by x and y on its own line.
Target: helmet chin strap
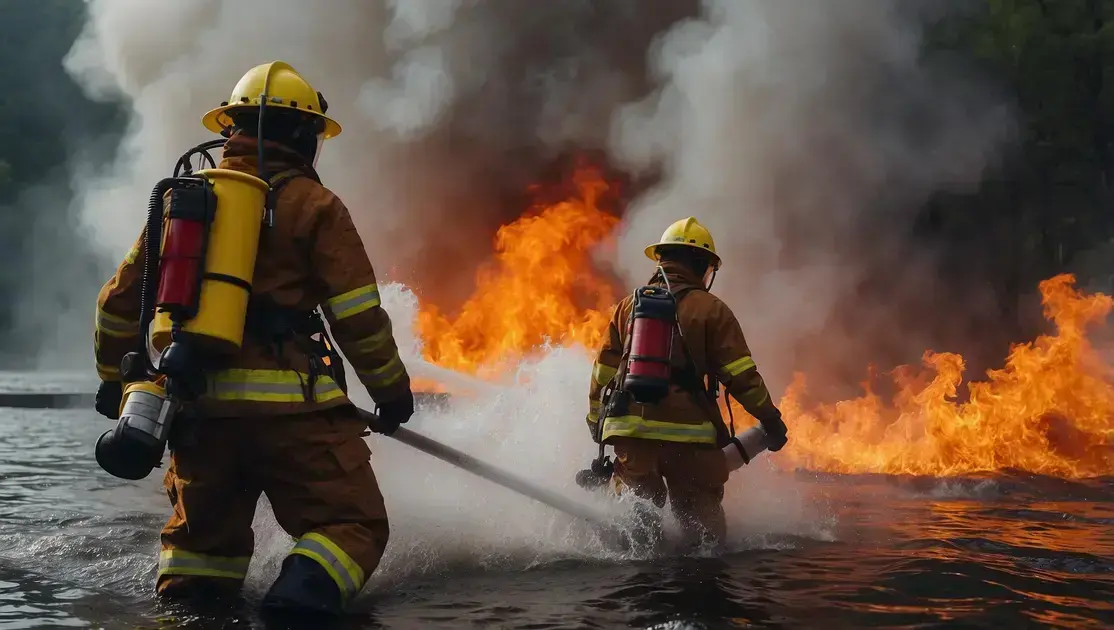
pixel 709 282
pixel 317 153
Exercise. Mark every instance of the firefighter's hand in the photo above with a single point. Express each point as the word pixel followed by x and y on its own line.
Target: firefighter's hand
pixel 108 399
pixel 776 431
pixel 393 413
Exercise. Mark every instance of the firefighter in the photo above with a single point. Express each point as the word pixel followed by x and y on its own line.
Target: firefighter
pixel 277 419
pixel 672 449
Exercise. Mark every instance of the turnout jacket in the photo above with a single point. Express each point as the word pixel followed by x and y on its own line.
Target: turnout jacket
pixel 716 346
pixel 312 256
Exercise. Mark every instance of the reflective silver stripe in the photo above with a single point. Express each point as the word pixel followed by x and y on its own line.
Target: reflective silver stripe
pixel 354 302
pixel 115 326
pixel 634 426
pixel 593 410
pixel 280 386
pixel 348 575
pixel 108 372
pixel 178 562
pixel 602 374
pixel 738 366
pixel 371 343
pixel 755 397
pixel 384 376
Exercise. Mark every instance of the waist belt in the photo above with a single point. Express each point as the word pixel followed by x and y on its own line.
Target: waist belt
pixel 274 325
pixel 269 322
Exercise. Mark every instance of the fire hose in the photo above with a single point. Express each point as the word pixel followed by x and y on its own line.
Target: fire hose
pixel 491 473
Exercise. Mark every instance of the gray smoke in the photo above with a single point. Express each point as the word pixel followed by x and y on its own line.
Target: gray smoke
pixel 804 134
pixel 448 107
pixel 790 127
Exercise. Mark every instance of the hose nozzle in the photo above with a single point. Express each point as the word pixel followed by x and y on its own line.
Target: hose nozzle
pixel 597 476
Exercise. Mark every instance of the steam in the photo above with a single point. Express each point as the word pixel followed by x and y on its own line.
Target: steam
pixel 445 519
pixel 806 136
pixel 788 127
pixel 448 107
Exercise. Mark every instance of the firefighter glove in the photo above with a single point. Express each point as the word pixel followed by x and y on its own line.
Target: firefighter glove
pixel 776 431
pixel 109 395
pixel 393 413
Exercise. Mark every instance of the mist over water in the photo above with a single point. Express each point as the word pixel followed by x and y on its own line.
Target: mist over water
pixel 443 518
pixel 805 135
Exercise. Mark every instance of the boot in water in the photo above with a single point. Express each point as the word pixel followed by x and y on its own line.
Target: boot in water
pixel 303 588
pixel 646 531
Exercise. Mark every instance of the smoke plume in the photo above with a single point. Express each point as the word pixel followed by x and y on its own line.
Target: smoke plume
pixel 448 107
pixel 805 134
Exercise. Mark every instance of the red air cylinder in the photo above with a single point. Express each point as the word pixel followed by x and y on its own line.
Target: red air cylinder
pixel 180 268
pixel 653 319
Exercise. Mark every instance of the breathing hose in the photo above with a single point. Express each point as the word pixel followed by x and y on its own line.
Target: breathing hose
pixel 152 238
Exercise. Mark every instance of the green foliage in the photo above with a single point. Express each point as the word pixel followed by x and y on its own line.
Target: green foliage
pixel 1055 60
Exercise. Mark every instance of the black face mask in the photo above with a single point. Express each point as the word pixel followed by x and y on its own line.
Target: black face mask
pixel 295 132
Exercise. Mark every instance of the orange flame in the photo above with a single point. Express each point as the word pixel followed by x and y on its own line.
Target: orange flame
pixel 539 288
pixel 1050 410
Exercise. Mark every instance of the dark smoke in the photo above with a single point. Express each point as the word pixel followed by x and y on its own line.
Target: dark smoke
pixel 807 135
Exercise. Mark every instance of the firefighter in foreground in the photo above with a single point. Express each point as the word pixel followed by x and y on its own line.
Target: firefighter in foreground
pixel 272 415
pixel 657 388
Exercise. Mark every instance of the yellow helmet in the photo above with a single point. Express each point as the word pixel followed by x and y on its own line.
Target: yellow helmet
pixel 687 232
pixel 284 88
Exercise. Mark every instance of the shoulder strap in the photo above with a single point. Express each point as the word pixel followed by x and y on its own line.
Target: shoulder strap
pixel 277 183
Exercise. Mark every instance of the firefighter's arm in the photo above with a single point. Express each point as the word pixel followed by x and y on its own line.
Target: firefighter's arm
pixel 604 369
pixel 360 325
pixel 729 354
pixel 117 321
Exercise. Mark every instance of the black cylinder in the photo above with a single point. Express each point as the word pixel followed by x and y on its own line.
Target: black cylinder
pixel 128 454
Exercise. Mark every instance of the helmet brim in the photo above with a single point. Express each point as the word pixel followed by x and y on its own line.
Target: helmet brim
pixel 217 119
pixel 651 252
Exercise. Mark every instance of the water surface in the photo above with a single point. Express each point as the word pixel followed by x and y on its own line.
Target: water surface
pixel 78 549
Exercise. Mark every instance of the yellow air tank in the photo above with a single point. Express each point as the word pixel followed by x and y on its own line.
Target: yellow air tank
pixel 218 326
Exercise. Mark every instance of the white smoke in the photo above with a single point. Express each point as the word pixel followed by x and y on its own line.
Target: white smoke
pixel 778 124
pixel 781 126
pixel 444 518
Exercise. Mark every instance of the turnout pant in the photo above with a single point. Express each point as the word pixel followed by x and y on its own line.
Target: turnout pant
pixel 690 476
pixel 314 469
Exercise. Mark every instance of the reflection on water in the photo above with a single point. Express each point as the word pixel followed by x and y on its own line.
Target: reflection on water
pixel 77 549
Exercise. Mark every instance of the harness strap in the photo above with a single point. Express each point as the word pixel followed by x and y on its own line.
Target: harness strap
pixel 277 183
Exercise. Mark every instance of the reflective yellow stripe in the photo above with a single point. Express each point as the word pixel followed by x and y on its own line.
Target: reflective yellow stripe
pixel 114 326
pixel 636 427
pixel 340 566
pixel 178 562
pixel 354 302
pixel 593 411
pixel 133 253
pixel 278 386
pixel 108 373
pixel 372 343
pixel 738 366
pixel 602 373
pixel 384 376
pixel 755 397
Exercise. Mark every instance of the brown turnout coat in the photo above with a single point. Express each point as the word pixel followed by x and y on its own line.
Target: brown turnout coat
pixel 311 256
pixel 717 346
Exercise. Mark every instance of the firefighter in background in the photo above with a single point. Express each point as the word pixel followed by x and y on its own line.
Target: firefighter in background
pixel 277 420
pixel 672 449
